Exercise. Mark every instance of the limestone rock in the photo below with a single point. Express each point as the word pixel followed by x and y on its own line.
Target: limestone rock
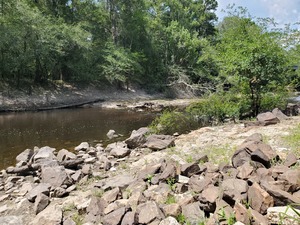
pixel 159 142
pixel 25 155
pixel 115 217
pixel 137 137
pixel 234 190
pixel 193 213
pixel 267 118
pixel 148 212
pixel 42 188
pixel 41 202
pixel 52 215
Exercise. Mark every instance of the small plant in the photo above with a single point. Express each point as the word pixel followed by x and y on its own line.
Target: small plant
pixel 222 217
pixel 149 178
pixel 78 219
pixel 172 183
pixel 170 199
pixel 69 207
pixel 287 217
pixel 98 193
pixel 293 139
pixel 181 218
pixel 189 159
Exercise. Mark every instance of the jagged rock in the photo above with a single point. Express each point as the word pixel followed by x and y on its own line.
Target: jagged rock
pixel 72 163
pixel 290 160
pixel 279 114
pixel 52 215
pixel 234 190
pixel 41 202
pixel 245 170
pixel 190 169
pixel 267 118
pixel 25 155
pixel 148 170
pixel 96 206
pixel 84 146
pixel 128 219
pixel 41 188
pixel 115 217
pixel 137 137
pixel 264 154
pixel 77 176
pixel 193 213
pixel 241 213
pixel 199 183
pixel 281 198
pixel 283 215
pixel 168 173
pixel 59 192
pixel 208 198
pixel 121 181
pixel 44 153
pixel 115 205
pixel 293 179
pixel 148 212
pixel 169 221
pixel 118 149
pixel 257 218
pixel 159 142
pixel 22 171
pixel 64 154
pixel 259 199
pixel 56 176
pixel 135 199
pixel 25 188
pixel 223 211
pixel 111 196
pixel 158 193
pixel 173 209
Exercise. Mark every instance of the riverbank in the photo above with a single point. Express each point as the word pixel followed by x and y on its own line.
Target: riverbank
pixel 212 175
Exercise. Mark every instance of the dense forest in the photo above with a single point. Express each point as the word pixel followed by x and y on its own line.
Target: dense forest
pixel 156 44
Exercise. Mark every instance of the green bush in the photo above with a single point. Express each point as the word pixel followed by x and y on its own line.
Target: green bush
pixel 270 101
pixel 170 122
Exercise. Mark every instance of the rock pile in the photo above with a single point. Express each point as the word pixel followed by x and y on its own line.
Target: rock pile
pixel 119 185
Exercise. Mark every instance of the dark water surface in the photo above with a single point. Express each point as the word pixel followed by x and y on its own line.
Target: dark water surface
pixel 63 129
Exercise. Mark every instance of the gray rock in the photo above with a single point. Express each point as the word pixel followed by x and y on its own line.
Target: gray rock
pixel 290 160
pixel 267 118
pixel 52 215
pixel 77 176
pixel 115 217
pixel 137 138
pixel 193 213
pixel 169 221
pixel 111 134
pixel 11 220
pixel 148 170
pixel 241 213
pixel 190 169
pixel 234 190
pixel 159 142
pixel 42 188
pixel 208 198
pixel 41 202
pixel 64 154
pixel 168 173
pixel 45 153
pixel 25 155
pixel 59 192
pixel 118 149
pixel 279 114
pixel 148 212
pixel 111 196
pixel 245 170
pixel 173 209
pixel 128 219
pixel 84 146
pixel 198 183
pixel 121 181
pixel 56 176
pixel 257 218
pixel 69 221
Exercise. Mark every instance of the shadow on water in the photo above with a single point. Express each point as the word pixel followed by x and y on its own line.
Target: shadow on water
pixel 63 128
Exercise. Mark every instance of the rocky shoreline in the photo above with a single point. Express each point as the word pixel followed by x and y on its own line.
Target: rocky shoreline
pixel 159 179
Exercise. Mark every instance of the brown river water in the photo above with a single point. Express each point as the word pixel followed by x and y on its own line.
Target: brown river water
pixel 63 129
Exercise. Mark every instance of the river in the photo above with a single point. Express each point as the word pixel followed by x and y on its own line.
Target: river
pixel 63 129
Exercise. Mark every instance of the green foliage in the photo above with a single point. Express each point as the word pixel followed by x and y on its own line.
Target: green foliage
pixel 293 139
pixel 171 183
pixel 170 200
pixel 285 217
pixel 170 122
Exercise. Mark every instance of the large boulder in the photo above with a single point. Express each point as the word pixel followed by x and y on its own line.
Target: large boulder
pixel 267 118
pixel 25 156
pixel 55 176
pixel 137 137
pixel 159 142
pixel 44 153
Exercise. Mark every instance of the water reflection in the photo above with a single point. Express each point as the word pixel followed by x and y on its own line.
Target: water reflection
pixel 62 128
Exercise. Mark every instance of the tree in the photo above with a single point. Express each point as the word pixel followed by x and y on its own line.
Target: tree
pixel 250 59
